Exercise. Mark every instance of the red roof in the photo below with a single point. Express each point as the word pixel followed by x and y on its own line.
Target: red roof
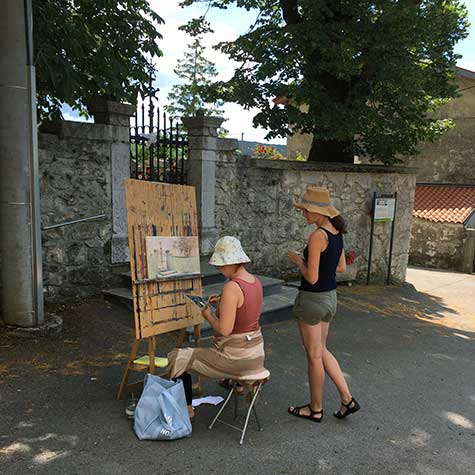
pixel 444 203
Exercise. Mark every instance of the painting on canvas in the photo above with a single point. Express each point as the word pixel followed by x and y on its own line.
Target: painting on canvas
pixel 172 256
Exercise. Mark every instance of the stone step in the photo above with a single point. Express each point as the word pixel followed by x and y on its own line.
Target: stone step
pixel 277 308
pixel 345 278
pixel 278 300
pixel 124 294
pixel 270 286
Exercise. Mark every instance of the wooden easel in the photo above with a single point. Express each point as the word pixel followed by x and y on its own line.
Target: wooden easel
pixel 160 306
pixel 125 386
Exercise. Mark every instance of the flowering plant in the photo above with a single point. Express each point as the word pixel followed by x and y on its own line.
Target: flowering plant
pixel 267 152
pixel 350 257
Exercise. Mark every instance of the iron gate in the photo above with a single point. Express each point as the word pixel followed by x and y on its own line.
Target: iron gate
pixel 158 145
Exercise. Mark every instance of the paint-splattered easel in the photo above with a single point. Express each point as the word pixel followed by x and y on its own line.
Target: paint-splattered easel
pixel 160 306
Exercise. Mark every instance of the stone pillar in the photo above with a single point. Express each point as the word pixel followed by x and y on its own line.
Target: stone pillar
pixel 117 114
pixel 469 252
pixel 202 155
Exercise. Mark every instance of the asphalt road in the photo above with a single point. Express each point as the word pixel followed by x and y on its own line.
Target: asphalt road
pixel 411 369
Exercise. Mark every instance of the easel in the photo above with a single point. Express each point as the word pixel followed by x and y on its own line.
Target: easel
pixel 125 386
pixel 158 209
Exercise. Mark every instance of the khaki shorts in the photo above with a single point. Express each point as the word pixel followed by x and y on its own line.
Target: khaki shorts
pixel 315 307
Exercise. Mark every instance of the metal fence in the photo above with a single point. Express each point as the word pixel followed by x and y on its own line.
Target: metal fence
pixel 158 146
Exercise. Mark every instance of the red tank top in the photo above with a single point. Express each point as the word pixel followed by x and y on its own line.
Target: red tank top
pixel 247 316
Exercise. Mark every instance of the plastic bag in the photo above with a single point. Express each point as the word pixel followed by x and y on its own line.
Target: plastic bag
pixel 161 413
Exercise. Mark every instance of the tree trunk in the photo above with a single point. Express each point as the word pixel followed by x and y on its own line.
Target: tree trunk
pixel 331 151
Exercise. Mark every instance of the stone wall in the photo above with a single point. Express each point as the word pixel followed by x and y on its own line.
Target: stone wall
pixel 441 245
pixel 254 202
pixel 75 182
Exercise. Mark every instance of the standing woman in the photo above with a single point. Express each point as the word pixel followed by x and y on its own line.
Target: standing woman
pixel 316 302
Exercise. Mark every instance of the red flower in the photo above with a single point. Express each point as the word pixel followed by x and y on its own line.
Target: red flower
pixel 350 257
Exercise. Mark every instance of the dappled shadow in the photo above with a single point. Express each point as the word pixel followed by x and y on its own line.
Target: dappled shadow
pixel 96 335
pixel 39 451
pixel 58 412
pixel 406 302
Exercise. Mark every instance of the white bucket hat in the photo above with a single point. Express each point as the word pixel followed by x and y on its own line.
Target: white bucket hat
pixel 228 250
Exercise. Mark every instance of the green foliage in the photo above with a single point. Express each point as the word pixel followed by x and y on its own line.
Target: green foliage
pixel 300 157
pixel 196 73
pixel 368 71
pixel 85 48
pixel 160 162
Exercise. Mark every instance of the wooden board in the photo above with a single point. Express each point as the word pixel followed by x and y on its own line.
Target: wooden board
pixel 160 209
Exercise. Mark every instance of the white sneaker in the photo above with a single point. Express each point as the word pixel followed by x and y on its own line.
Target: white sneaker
pixel 130 408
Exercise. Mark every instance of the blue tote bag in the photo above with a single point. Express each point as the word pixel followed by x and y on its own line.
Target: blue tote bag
pixel 161 413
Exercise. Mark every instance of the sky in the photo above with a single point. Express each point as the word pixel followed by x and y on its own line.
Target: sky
pixel 228 25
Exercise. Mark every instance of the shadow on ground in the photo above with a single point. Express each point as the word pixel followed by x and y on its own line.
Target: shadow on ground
pixel 412 373
pixel 406 302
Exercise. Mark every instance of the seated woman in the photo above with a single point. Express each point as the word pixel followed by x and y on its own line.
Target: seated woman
pixel 238 348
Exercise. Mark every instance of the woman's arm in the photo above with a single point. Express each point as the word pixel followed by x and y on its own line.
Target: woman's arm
pixel 316 244
pixel 341 267
pixel 227 310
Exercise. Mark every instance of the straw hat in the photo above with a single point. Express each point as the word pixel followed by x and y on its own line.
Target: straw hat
pixel 317 200
pixel 228 250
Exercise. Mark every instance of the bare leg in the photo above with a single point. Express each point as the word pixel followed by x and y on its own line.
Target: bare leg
pixel 332 368
pixel 188 387
pixel 311 338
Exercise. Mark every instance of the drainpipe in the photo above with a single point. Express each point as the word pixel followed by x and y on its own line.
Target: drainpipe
pixel 21 295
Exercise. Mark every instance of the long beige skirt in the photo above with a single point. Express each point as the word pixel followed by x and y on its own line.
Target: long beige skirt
pixel 239 356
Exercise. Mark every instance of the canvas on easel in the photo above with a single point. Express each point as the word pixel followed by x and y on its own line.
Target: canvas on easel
pixel 164 261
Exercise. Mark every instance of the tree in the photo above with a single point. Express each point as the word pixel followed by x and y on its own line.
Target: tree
pixel 362 76
pixel 196 73
pixel 85 48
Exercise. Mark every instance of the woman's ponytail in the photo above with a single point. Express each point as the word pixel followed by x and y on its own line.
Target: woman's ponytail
pixel 339 224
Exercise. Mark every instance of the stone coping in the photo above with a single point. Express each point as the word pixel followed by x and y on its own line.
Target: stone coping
pixel 327 166
pixel 85 130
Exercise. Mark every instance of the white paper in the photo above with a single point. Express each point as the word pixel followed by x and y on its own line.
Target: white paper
pixel 214 400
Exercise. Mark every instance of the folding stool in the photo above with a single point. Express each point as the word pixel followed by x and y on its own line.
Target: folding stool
pixel 252 396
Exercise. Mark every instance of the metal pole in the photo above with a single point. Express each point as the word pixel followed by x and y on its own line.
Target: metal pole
pixel 371 238
pixel 20 233
pixel 392 240
pixel 74 221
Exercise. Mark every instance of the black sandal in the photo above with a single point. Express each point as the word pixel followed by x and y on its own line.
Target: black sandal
pixel 349 410
pixel 296 412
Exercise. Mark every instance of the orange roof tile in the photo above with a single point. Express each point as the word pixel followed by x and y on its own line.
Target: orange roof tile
pixel 444 203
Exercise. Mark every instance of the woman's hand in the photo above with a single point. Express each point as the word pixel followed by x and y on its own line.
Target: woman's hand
pixel 214 300
pixel 206 312
pixel 295 257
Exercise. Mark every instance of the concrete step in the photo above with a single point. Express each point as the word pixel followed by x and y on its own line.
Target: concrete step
pixel 270 286
pixel 119 295
pixel 277 308
pixel 124 294
pixel 278 300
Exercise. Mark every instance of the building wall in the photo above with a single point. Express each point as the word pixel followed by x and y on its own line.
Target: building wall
pixel 451 159
pixel 75 162
pixel 254 202
pixel 299 144
pixel 438 245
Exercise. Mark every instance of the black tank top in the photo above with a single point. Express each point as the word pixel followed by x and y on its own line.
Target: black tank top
pixel 328 262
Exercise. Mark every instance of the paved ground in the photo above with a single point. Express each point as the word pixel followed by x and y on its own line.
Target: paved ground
pixel 410 366
pixel 454 289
